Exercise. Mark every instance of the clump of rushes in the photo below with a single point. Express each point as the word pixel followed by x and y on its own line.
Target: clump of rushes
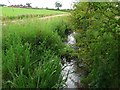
pixel 31 55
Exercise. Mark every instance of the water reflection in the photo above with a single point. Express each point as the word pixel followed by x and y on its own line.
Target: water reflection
pixel 70 68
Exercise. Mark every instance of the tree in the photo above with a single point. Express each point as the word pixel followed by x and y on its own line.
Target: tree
pixel 28 4
pixel 2 5
pixel 58 5
pixel 97 39
pixel 21 5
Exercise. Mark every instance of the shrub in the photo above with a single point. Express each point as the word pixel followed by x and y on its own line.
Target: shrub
pixel 98 42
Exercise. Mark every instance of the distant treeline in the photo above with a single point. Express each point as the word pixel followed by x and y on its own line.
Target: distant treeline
pixel 3 5
pixel 66 10
pixel 28 6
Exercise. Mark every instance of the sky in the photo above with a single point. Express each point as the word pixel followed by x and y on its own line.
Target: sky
pixel 66 4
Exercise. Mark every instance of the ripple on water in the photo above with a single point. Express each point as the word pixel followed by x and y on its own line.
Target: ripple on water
pixel 69 71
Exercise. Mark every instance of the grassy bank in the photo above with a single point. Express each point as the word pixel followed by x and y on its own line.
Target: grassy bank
pixel 32 53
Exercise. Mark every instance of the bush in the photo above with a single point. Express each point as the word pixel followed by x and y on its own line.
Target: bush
pixel 98 42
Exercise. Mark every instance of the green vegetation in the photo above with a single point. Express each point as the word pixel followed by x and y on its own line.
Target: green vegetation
pixel 32 53
pixel 98 35
pixel 19 13
pixel 32 48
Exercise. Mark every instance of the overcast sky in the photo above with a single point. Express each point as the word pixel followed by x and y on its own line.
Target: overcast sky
pixel 66 4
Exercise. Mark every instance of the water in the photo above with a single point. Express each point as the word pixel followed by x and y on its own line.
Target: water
pixel 71 40
pixel 70 68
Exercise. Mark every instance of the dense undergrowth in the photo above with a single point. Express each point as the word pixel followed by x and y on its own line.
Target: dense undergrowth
pixel 98 35
pixel 32 53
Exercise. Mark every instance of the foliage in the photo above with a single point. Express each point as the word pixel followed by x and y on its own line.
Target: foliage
pixel 97 39
pixel 31 55
pixel 62 28
pixel 28 4
pixel 58 5
pixel 2 5
pixel 20 70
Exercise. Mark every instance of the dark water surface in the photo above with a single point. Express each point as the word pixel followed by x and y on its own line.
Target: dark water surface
pixel 71 71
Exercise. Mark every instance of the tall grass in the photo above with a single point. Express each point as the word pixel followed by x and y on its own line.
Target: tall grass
pixel 31 54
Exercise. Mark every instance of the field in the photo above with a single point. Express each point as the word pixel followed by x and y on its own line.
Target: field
pixel 11 13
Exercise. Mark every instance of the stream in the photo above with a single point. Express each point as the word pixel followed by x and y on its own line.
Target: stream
pixel 70 70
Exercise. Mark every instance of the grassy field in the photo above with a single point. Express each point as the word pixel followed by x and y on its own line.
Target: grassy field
pixel 32 53
pixel 12 13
